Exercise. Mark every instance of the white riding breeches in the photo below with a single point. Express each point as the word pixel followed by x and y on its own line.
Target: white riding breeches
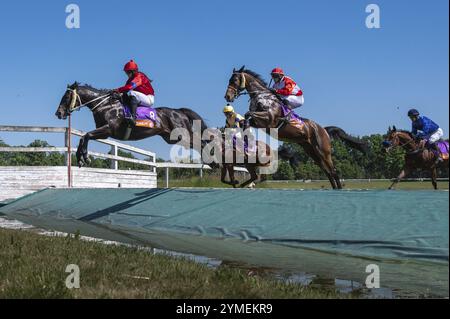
pixel 144 100
pixel 294 101
pixel 436 136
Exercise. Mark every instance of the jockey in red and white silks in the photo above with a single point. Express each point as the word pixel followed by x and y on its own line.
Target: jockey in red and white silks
pixel 138 85
pixel 287 88
pixel 138 89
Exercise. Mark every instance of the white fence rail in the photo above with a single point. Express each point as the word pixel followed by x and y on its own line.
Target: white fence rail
pixel 113 155
pixel 68 150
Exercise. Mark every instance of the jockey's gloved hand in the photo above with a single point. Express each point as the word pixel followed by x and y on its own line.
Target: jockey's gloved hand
pixel 115 95
pixel 274 91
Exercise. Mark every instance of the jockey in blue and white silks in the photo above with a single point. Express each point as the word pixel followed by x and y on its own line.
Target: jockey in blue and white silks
pixel 425 128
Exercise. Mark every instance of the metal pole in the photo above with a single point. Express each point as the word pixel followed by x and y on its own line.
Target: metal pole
pixel 201 172
pixel 69 152
pixel 167 177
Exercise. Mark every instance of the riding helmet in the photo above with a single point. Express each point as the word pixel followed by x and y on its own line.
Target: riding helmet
pixel 130 66
pixel 413 112
pixel 277 71
pixel 228 109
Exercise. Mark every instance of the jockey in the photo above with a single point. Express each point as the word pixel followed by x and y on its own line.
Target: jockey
pixel 289 91
pixel 233 119
pixel 424 128
pixel 138 89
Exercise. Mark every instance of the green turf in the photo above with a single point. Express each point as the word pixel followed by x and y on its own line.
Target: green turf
pixel 33 266
pixel 215 182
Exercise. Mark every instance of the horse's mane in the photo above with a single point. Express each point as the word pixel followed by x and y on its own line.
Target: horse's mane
pixel 406 132
pixel 257 77
pixel 90 87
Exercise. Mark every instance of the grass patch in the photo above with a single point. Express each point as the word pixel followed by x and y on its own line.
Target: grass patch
pixel 212 181
pixel 33 266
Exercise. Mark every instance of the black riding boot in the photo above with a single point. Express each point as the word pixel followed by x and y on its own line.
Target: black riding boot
pixel 437 153
pixel 133 104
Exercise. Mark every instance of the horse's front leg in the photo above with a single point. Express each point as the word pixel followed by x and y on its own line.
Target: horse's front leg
pixel 253 176
pixel 82 153
pixel 79 153
pixel 233 180
pixel 434 177
pixel 402 175
pixel 223 174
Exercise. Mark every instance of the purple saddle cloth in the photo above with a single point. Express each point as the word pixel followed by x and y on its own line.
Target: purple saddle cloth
pixel 142 113
pixel 247 148
pixel 294 117
pixel 443 147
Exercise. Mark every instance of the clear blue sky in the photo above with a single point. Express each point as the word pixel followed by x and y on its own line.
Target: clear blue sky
pixel 353 77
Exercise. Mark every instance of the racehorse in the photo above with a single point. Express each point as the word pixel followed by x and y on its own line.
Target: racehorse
pixel 110 119
pixel 251 164
pixel 267 111
pixel 417 155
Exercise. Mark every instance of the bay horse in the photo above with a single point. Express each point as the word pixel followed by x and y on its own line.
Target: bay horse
pixel 252 166
pixel 110 120
pixel 266 111
pixel 417 155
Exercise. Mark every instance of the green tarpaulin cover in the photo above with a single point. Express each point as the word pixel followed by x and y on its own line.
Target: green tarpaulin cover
pixel 401 226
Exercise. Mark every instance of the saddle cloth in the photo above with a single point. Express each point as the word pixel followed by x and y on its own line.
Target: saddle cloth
pixel 444 148
pixel 145 116
pixel 294 120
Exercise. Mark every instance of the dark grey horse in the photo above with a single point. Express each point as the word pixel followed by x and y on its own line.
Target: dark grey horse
pixel 110 120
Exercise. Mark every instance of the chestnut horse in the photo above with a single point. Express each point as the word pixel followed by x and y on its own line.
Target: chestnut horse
pixel 417 155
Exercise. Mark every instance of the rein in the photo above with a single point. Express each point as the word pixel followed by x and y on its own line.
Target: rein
pixel 76 98
pixel 407 143
pixel 239 92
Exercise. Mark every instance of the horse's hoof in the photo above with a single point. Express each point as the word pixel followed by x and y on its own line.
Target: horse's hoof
pixel 80 164
pixel 87 160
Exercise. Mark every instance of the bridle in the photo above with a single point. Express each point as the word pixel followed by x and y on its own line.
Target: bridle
pixel 237 92
pixel 75 97
pixel 242 87
pixel 401 145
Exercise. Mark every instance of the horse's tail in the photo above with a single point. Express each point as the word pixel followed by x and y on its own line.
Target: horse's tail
pixel 353 142
pixel 194 116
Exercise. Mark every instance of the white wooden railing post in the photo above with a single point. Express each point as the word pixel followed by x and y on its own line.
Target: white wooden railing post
pixel 114 152
pixel 167 177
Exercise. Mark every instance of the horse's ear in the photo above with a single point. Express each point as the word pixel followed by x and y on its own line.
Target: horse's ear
pixel 242 68
pixel 394 128
pixel 389 129
pixel 234 70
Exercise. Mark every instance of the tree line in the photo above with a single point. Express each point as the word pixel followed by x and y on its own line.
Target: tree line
pixel 350 163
